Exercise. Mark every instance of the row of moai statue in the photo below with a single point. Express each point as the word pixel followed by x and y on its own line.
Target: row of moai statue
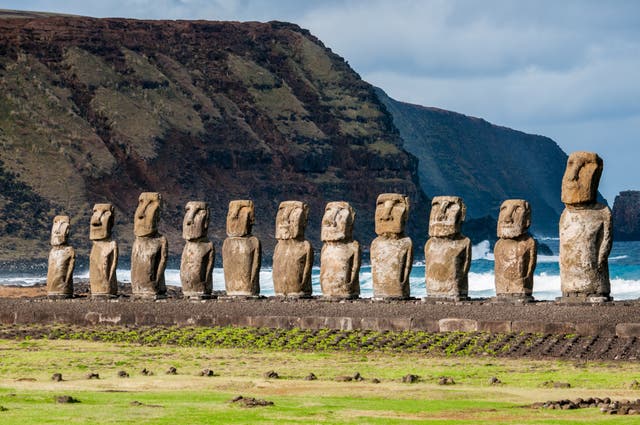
pixel 585 243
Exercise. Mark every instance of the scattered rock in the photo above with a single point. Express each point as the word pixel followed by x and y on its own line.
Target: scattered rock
pixel 446 380
pixel 494 381
pixel 206 372
pixel 251 402
pixel 634 385
pixel 310 377
pixel 172 371
pixel 606 405
pixel 92 375
pixel 357 377
pixel 375 381
pixel 65 399
pixel 3 409
pixel 146 372
pixel 137 403
pixel 26 379
pixel 410 379
pixel 122 374
pixel 343 378
pixel 272 374
pixel 561 385
pixel 56 377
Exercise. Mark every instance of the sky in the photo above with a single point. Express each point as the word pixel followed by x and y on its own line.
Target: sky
pixel 569 70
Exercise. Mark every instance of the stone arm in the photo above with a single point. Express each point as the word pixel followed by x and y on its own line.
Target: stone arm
pixel 308 265
pixel 162 264
pixel 607 240
pixel 210 261
pixel 257 261
pixel 114 262
pixel 355 264
pixel 467 257
pixel 533 258
pixel 408 263
pixel 72 263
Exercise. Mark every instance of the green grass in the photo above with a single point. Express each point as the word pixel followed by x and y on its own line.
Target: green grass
pixel 27 392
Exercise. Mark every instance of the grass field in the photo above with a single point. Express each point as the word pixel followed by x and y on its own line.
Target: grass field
pixel 27 391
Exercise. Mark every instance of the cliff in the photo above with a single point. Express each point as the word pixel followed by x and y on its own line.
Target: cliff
pixel 484 163
pixel 626 216
pixel 99 110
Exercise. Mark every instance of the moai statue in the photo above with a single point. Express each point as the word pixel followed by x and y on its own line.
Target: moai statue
pixel 149 253
pixel 62 259
pixel 198 254
pixel 391 251
pixel 340 256
pixel 293 255
pixel 515 253
pixel 103 260
pixel 447 253
pixel 241 252
pixel 585 232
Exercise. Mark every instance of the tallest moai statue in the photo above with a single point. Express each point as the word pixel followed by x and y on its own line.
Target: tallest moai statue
pixel 585 232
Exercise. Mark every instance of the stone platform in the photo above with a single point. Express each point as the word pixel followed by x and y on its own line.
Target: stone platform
pixel 610 319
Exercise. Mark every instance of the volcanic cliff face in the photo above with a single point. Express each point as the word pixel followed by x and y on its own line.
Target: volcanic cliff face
pixel 483 163
pixel 99 110
pixel 626 216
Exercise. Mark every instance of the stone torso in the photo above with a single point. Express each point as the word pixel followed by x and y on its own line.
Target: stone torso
pixel 241 257
pixel 585 243
pixel 102 265
pixel 147 265
pixel 447 267
pixel 195 268
pixel 291 267
pixel 337 275
pixel 60 272
pixel 389 259
pixel 514 264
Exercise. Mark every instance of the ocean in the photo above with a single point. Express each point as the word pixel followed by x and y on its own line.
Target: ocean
pixel 624 269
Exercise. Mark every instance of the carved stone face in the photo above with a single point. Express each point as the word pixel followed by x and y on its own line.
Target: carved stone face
pixel 447 215
pixel 337 222
pixel 291 220
pixel 581 178
pixel 60 230
pixel 101 222
pixel 145 223
pixel 240 218
pixel 514 218
pixel 196 220
pixel 392 210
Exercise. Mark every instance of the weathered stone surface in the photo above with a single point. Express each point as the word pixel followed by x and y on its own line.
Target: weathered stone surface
pixel 61 260
pixel 196 265
pixel 391 251
pixel 585 231
pixel 447 253
pixel 293 255
pixel 103 259
pixel 515 252
pixel 241 252
pixel 340 255
pixel 149 253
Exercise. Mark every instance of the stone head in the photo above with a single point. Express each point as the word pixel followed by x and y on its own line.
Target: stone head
pixel 291 220
pixel 392 211
pixel 145 222
pixel 60 230
pixel 447 215
pixel 196 220
pixel 101 222
pixel 514 218
pixel 581 178
pixel 337 222
pixel 240 218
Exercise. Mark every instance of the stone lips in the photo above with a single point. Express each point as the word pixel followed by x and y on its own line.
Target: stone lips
pixel 447 215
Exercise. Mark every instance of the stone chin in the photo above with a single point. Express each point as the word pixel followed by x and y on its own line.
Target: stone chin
pixel 510 232
pixel 98 233
pixel 332 235
pixel 57 240
pixel 443 230
pixel 142 230
pixel 284 233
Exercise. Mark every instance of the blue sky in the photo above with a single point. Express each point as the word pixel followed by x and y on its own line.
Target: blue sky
pixel 566 69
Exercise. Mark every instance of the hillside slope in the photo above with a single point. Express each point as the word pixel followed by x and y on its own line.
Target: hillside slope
pixel 95 110
pixel 483 163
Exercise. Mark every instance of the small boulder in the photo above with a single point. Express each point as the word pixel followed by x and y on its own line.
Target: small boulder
pixel 92 375
pixel 65 399
pixel 494 381
pixel 561 385
pixel 375 381
pixel 271 374
pixel 172 371
pixel 357 377
pixel 344 378
pixel 410 379
pixel 122 374
pixel 56 377
pixel 310 377
pixel 206 372
pixel 251 401
pixel 446 380
pixel 146 372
